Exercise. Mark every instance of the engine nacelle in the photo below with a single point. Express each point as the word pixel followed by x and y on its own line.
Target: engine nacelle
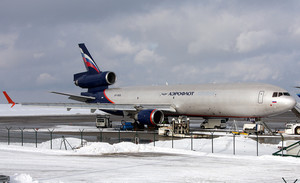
pixel 150 117
pixel 84 80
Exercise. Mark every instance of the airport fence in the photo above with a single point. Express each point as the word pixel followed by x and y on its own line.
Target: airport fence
pixel 21 136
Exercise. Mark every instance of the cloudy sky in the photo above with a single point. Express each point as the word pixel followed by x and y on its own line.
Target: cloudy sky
pixel 147 43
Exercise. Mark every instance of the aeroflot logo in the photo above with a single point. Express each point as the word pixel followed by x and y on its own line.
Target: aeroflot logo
pixel 190 93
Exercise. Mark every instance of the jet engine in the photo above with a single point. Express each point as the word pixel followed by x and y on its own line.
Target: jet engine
pixel 85 80
pixel 150 117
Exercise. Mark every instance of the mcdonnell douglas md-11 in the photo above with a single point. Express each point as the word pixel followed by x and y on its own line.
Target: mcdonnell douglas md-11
pixel 149 105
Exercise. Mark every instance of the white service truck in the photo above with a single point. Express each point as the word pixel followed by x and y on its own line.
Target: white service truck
pixel 213 123
pixel 103 121
pixel 253 128
pixel 292 128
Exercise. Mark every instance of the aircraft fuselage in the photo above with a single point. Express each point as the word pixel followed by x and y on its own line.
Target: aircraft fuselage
pixel 240 100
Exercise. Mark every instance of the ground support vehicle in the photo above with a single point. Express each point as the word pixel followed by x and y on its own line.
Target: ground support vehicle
pixel 292 128
pixel 253 128
pixel 103 121
pixel 213 123
pixel 178 127
pixel 126 125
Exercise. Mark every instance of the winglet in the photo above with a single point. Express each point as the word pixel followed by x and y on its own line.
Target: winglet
pixel 9 100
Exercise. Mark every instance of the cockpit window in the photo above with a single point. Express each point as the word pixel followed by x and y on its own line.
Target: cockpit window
pixel 278 94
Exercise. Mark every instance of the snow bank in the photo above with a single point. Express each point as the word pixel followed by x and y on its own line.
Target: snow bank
pixel 62 144
pixel 22 178
pixel 221 145
pixel 105 148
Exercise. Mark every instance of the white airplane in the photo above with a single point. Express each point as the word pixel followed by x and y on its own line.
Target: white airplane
pixel 149 105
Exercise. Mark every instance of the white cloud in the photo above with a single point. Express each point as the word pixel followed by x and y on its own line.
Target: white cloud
pixel 45 78
pixel 38 55
pixel 61 43
pixel 8 40
pixel 184 68
pixel 146 55
pixel 121 45
pixel 8 53
pixel 213 33
pixel 141 52
pixel 256 69
pixel 253 40
pixel 295 30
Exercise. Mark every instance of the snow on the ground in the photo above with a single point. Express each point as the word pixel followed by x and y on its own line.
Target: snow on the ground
pixel 71 128
pixel 128 162
pixel 19 110
pixel 22 178
pixel 223 145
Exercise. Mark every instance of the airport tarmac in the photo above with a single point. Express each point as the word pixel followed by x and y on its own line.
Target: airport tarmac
pixel 45 121
pixel 86 123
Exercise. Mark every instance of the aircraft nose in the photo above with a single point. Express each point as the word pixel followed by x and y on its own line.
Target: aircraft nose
pixel 290 102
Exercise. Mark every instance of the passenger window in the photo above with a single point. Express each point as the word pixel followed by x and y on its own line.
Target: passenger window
pixel 286 94
pixel 280 94
pixel 275 94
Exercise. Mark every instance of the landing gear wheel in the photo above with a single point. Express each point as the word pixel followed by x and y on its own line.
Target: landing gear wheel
pixel 297 130
pixel 168 133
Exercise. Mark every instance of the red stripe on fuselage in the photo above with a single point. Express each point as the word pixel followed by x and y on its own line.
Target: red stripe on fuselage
pixel 107 97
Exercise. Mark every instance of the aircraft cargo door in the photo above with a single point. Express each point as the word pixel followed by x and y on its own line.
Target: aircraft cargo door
pixel 261 97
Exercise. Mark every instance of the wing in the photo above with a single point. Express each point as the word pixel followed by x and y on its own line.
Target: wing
pixel 100 106
pixel 107 107
pixel 79 98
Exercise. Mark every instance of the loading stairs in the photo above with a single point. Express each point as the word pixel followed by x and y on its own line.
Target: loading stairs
pixel 266 127
pixel 294 148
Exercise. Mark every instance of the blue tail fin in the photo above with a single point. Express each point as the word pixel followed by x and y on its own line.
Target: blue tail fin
pixel 93 79
pixel 88 60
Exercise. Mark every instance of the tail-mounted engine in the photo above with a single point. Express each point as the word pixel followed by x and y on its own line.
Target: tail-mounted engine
pixel 150 117
pixel 86 80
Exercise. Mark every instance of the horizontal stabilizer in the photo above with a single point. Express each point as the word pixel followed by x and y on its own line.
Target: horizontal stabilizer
pixel 79 98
